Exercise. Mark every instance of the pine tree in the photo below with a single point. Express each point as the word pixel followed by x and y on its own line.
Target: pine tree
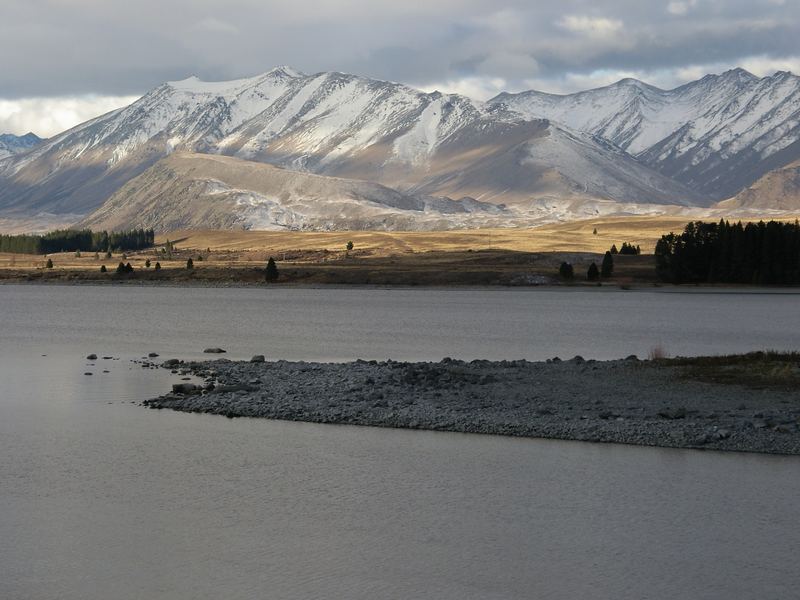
pixel 49 264
pixel 593 274
pixel 189 264
pixel 566 271
pixel 103 269
pixel 158 266
pixel 121 268
pixel 614 249
pixel 349 246
pixel 272 270
pixel 607 267
pixel 147 264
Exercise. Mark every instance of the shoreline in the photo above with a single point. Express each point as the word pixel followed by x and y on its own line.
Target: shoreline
pixel 630 401
pixel 577 287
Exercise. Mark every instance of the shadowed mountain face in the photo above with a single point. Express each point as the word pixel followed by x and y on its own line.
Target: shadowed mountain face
pixel 627 144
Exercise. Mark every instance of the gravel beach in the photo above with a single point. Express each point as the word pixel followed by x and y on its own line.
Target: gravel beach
pixel 622 401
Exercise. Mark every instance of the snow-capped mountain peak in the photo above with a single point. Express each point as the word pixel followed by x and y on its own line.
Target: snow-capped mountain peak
pixel 11 145
pixel 628 141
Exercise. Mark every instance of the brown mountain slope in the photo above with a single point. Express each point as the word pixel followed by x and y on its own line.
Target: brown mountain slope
pixel 777 190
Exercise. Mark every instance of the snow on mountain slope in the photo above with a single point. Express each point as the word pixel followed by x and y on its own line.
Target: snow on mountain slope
pixel 716 134
pixel 328 123
pixel 691 144
pixel 12 145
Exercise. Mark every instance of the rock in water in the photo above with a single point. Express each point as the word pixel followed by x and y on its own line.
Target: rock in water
pixel 92 357
pixel 214 351
pixel 153 355
pixel 258 358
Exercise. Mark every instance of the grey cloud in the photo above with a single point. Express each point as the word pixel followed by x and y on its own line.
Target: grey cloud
pixel 115 47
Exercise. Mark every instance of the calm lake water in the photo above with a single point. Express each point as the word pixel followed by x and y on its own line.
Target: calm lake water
pixel 101 498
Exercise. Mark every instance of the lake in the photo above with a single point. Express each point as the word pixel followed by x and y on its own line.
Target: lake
pixel 101 498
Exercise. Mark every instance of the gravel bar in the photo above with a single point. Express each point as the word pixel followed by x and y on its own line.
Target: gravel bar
pixel 622 401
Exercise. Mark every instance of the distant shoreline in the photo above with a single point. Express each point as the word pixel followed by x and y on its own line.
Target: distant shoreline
pixel 666 288
pixel 669 403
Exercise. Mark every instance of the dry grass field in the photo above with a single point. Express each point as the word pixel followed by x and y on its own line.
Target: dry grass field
pixel 575 236
pixel 464 257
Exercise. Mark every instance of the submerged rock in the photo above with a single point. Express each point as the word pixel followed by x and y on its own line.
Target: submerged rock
pixel 214 351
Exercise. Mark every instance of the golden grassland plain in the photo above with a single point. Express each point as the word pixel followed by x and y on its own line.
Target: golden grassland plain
pixel 461 257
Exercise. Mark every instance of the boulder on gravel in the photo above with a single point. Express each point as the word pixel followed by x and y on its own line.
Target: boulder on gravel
pixel 185 388
pixel 258 358
pixel 171 362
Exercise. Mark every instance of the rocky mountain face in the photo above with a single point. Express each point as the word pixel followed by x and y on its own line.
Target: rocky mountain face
pixel 11 145
pixel 715 135
pixel 628 147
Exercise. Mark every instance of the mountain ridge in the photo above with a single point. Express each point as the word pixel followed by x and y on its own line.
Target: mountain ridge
pixel 628 143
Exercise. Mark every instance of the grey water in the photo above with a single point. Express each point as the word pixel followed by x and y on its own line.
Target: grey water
pixel 102 498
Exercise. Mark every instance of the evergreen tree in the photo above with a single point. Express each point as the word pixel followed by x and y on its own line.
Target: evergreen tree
pixel 103 269
pixel 121 268
pixel 189 264
pixel 158 266
pixel 607 267
pixel 566 271
pixel 349 246
pixel 614 249
pixel 147 264
pixel 272 270
pixel 593 274
pixel 49 264
pixel 756 253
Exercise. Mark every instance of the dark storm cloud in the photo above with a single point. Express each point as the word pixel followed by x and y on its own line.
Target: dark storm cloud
pixel 111 47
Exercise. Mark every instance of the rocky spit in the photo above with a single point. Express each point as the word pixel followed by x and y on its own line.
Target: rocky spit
pixel 622 401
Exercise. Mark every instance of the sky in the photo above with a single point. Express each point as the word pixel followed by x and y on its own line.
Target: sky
pixel 65 61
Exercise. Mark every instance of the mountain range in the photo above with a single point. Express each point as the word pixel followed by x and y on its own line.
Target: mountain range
pixel 335 151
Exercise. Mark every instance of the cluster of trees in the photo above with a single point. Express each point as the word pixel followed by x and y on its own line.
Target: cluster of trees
pixel 756 253
pixel 77 240
pixel 626 248
pixel 567 271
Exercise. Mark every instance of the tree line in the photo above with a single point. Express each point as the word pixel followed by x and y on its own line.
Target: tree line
pixel 77 240
pixel 756 253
